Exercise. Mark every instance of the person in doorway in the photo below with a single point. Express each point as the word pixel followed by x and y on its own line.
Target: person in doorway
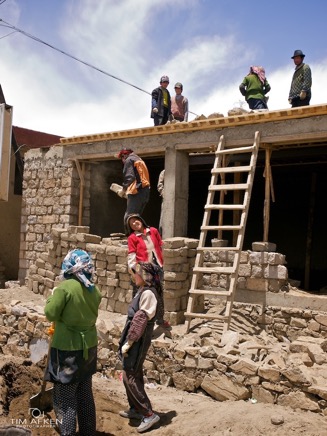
pixel 135 342
pixel 145 245
pixel 300 92
pixel 255 87
pixel 161 103
pixel 179 104
pixel 73 308
pixel 161 190
pixel 136 182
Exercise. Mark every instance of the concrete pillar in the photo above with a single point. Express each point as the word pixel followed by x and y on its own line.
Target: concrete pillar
pixel 175 203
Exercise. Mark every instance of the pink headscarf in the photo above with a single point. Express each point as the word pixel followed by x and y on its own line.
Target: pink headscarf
pixel 260 72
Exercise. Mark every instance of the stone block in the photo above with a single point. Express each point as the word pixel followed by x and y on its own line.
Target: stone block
pixel 173 243
pixel 263 246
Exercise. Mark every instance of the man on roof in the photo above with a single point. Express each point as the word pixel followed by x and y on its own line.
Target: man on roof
pixel 300 92
pixel 161 103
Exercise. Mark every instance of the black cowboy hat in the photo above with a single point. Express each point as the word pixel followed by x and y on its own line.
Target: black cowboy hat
pixel 298 53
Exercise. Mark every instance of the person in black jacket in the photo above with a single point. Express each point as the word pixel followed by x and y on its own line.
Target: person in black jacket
pixel 136 340
pixel 161 103
pixel 136 183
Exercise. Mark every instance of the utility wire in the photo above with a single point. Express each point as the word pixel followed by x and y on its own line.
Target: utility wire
pixel 8 34
pixel 15 29
pixel 10 26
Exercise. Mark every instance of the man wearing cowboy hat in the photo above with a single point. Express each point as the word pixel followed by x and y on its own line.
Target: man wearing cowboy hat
pixel 300 92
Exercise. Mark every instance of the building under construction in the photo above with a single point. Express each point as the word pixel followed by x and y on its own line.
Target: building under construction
pixel 68 184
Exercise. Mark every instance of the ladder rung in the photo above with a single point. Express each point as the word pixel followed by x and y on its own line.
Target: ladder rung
pixel 239 150
pixel 231 187
pixel 218 269
pixel 204 316
pixel 207 292
pixel 231 169
pixel 221 227
pixel 218 248
pixel 225 206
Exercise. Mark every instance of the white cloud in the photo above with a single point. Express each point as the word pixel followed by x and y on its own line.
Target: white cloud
pixel 53 93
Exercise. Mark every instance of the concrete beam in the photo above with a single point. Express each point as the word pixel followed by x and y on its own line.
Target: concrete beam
pixel 175 203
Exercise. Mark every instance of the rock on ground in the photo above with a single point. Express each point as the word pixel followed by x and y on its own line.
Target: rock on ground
pixel 181 413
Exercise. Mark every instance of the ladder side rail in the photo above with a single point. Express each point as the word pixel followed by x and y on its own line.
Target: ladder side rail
pixel 240 238
pixel 220 169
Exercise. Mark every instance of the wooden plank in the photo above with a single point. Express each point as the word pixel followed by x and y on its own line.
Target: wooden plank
pixel 218 248
pixel 5 149
pixel 236 150
pixel 225 206
pixel 229 187
pixel 238 169
pixel 204 316
pixel 221 269
pixel 207 124
pixel 207 292
pixel 222 227
pixel 308 250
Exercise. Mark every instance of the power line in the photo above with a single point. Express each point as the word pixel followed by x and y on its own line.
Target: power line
pixel 15 29
pixel 10 26
pixel 8 34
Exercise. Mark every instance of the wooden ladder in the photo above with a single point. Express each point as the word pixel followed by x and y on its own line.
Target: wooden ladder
pixel 225 217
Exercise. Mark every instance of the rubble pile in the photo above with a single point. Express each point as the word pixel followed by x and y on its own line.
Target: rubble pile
pixel 245 362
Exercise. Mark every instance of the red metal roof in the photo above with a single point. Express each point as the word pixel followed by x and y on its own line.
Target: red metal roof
pixel 34 139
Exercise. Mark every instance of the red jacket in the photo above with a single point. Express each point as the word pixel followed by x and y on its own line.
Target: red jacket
pixel 141 246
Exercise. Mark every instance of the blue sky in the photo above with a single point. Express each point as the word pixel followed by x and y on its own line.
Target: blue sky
pixel 208 45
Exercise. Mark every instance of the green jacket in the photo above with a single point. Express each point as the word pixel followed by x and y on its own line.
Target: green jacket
pixel 253 87
pixel 74 310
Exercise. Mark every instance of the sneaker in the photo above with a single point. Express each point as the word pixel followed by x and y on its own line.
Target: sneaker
pixel 164 324
pixel 130 414
pixel 148 422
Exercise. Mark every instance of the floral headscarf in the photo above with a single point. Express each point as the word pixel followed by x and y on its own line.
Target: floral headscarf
pixel 78 263
pixel 260 72
pixel 150 273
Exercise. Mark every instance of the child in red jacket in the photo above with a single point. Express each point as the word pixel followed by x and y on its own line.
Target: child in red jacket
pixel 145 245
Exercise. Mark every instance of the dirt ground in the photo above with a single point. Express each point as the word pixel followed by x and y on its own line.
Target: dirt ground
pixel 181 413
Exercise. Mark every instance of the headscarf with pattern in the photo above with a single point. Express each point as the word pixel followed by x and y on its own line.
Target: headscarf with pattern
pixel 152 274
pixel 260 72
pixel 78 263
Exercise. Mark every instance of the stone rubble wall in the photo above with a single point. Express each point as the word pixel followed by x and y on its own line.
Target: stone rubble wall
pixel 51 192
pixel 111 273
pixel 257 367
pixel 258 270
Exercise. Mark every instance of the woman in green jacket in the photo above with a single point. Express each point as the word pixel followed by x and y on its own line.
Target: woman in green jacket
pixel 73 307
pixel 255 87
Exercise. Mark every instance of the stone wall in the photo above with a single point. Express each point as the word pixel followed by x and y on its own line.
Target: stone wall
pixel 291 371
pixel 258 270
pixel 51 192
pixel 111 274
